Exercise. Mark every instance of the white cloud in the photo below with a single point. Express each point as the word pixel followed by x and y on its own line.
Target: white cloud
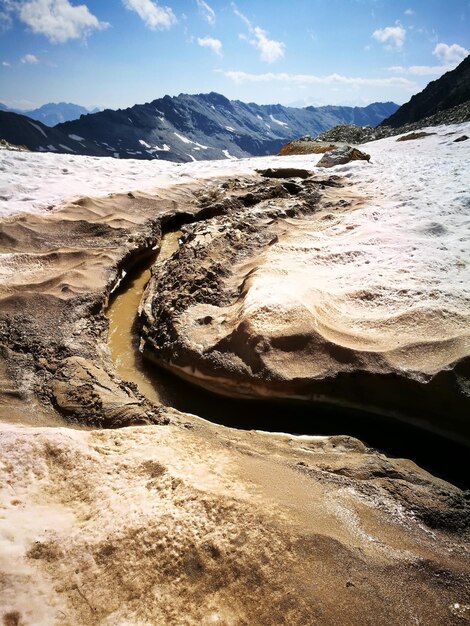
pixel 153 15
pixel 421 70
pixel 213 44
pixel 450 57
pixel 242 17
pixel 409 12
pixel 6 64
pixel 206 11
pixel 270 49
pixel 58 20
pixel 452 54
pixel 5 21
pixel 397 69
pixel 30 58
pixel 312 79
pixel 394 36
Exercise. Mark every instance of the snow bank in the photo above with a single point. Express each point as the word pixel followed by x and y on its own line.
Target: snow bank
pixel 32 182
pixel 391 277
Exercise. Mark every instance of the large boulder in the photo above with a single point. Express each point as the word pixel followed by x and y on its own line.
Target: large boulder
pixel 342 155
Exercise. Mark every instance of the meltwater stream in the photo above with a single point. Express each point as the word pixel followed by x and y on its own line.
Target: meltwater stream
pixel 439 456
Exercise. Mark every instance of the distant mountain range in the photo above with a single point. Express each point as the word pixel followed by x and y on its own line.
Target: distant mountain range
pixel 23 131
pixel 186 128
pixel 53 113
pixel 450 90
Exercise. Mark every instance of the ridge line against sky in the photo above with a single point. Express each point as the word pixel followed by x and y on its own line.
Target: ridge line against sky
pixel 295 52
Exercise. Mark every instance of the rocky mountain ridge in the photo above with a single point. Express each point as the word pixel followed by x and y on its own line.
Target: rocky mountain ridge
pixel 188 128
pixel 357 135
pixel 21 130
pixel 450 90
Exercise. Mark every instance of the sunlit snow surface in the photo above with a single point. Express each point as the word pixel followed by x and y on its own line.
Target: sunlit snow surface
pixel 390 274
pixel 32 181
pixel 390 278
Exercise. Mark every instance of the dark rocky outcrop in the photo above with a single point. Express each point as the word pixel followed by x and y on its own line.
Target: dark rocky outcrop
pixel 450 90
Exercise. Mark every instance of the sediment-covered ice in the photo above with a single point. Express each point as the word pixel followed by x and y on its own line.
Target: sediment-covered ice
pixel 392 275
pixel 388 280
pixel 189 522
pixel 363 301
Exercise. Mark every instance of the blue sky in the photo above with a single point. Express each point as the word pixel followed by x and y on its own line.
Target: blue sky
pixel 115 53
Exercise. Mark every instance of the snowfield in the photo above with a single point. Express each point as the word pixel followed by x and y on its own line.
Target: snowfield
pixel 416 214
pixel 413 173
pixel 32 182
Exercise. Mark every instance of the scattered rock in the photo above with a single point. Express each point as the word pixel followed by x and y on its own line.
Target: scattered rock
pixel 306 145
pixel 462 138
pixel 5 145
pixel 284 172
pixel 348 134
pixel 340 156
pixel 412 136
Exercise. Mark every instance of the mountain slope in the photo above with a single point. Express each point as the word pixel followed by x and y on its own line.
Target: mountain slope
pixel 21 130
pixel 56 112
pixel 52 113
pixel 370 115
pixel 449 90
pixel 209 126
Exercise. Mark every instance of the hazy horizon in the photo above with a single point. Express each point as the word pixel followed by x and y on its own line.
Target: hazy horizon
pixel 91 107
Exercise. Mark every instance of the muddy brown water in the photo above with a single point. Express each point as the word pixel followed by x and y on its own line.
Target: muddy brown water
pixel 121 314
pixel 441 457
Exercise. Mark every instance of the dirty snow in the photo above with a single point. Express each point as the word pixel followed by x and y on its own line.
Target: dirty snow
pixel 394 273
